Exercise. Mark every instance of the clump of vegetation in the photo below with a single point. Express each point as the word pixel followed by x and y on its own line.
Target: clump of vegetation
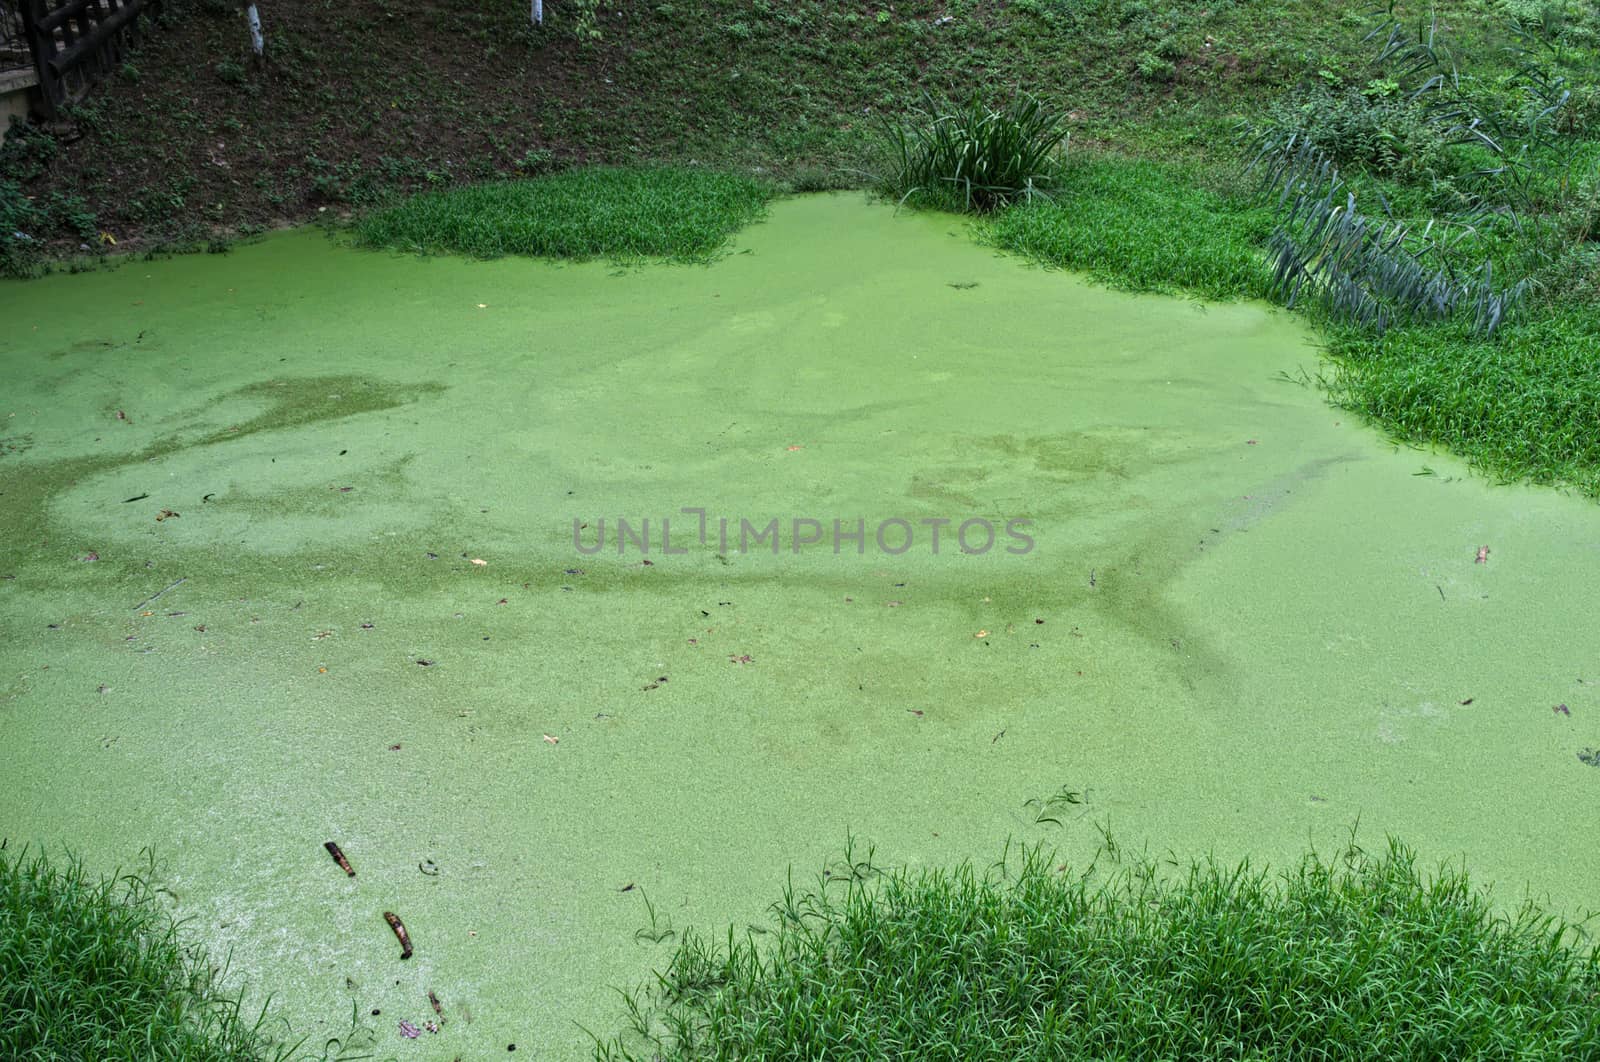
pixel 1505 162
pixel 626 212
pixel 1522 405
pixel 1144 226
pixel 1358 956
pixel 96 969
pixel 1363 270
pixel 973 157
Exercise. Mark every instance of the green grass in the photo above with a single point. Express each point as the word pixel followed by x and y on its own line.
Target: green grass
pixel 96 969
pixel 619 213
pixel 1354 957
pixel 1144 226
pixel 1525 405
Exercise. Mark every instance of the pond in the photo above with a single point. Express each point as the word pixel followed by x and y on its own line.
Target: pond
pixel 290 557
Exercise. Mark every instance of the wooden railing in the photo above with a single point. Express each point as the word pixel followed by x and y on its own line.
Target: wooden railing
pixel 74 43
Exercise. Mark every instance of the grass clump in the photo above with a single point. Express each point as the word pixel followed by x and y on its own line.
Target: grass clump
pixel 974 158
pixel 1359 956
pixel 1521 405
pixel 96 969
pixel 1144 226
pixel 621 213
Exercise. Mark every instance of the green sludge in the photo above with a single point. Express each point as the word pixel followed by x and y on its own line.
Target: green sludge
pixel 1259 624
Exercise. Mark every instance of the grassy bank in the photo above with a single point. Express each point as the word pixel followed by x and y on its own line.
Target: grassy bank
pixel 95 968
pixel 1357 956
pixel 357 102
pixel 1145 226
pixel 656 211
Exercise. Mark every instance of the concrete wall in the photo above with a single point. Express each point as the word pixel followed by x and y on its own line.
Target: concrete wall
pixel 16 97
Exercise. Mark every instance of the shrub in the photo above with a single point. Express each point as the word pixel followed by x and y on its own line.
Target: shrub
pixel 1375 129
pixel 974 157
pixel 1359 957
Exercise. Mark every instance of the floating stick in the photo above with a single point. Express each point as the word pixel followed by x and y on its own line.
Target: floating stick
pixel 399 928
pixel 158 593
pixel 338 857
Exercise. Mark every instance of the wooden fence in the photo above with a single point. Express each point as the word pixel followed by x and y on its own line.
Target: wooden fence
pixel 75 43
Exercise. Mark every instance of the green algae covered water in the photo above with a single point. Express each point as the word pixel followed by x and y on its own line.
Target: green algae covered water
pixel 245 501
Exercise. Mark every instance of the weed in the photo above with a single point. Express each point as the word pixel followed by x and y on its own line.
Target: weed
pixel 974 157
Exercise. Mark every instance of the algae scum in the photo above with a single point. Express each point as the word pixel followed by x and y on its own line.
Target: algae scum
pixel 1246 622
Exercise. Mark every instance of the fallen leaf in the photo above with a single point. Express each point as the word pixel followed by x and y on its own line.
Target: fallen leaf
pixel 916 712
pixel 409 1031
pixel 1468 701
pixel 1483 555
pixel 792 449
pixel 322 671
pixel 424 663
pixel 1563 709
pixel 480 562
pixel 165 513
pixel 549 740
pixel 90 557
pixel 981 634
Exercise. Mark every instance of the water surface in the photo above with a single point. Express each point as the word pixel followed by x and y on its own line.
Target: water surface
pixel 1246 623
